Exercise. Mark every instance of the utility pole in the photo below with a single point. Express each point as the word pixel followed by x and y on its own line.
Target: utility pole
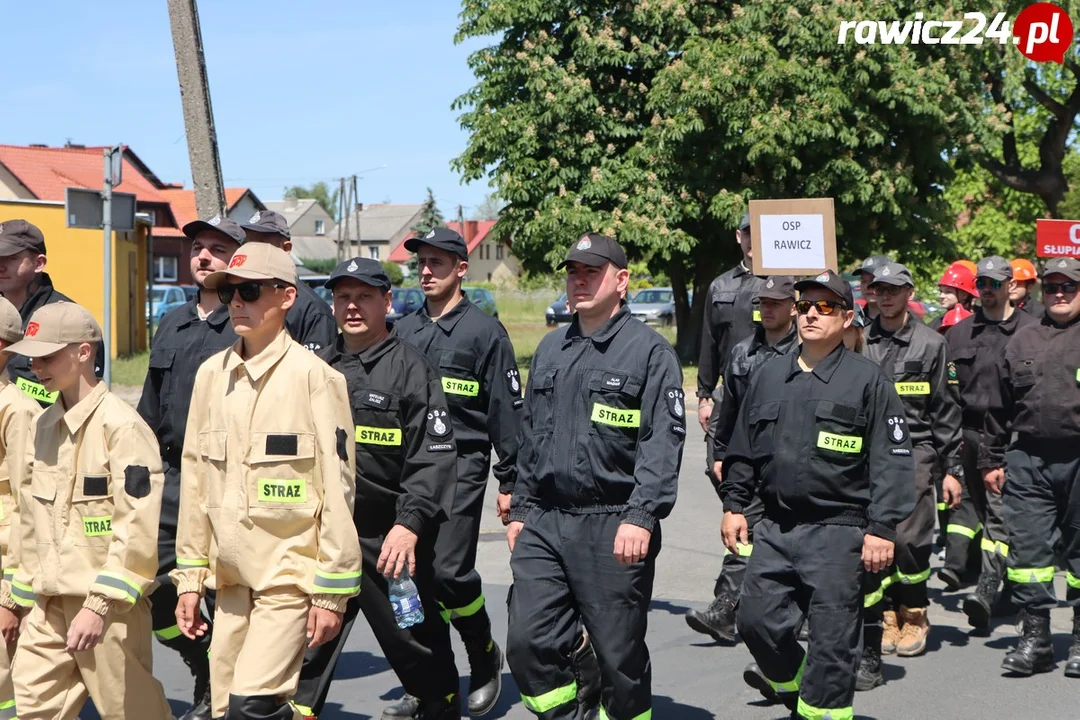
pixel 356 208
pixel 342 208
pixel 113 177
pixel 198 114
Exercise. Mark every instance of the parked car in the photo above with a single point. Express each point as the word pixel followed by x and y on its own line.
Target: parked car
pixel 483 299
pixel 317 283
pixel 654 305
pixel 558 312
pixel 164 298
pixel 405 301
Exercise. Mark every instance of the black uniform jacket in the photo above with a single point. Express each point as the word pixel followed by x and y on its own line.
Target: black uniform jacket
pixel 731 313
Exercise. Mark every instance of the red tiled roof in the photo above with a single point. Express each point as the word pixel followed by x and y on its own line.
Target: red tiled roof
pixel 183 207
pixel 46 171
pixel 474 233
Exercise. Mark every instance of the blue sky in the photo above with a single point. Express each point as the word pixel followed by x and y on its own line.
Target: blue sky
pixel 302 91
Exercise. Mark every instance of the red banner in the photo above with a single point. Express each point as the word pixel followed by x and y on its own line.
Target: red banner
pixel 1057 238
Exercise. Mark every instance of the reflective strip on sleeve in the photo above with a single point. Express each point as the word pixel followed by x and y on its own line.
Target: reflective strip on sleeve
pixel 942 507
pixel 647 715
pixel 744 550
pixel 1031 575
pixel 7 710
pixel 169 633
pixel 551 699
pixel 337 583
pixel 872 599
pixel 378 435
pixel 118 582
pixel 998 547
pixel 815 713
pixel 967 532
pixel 10 573
pixel 615 417
pixel 914 578
pixel 1074 582
pixel 304 710
pixel 467 611
pixel 192 562
pixel 37 391
pixel 839 443
pixel 912 388
pixel 791 686
pixel 23 595
pixel 457 386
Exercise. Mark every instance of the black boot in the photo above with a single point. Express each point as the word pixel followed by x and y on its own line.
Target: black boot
pixel 411 708
pixel 485 676
pixel 587 674
pixel 978 606
pixel 950 578
pixel 1035 651
pixel 717 621
pixel 869 675
pixel 753 677
pixel 1072 667
pixel 199 664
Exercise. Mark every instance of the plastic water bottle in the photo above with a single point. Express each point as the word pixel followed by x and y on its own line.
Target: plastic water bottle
pixel 405 600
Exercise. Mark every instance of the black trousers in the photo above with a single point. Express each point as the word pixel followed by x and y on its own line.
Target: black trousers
pixel 458 586
pixel 421 655
pixel 730 580
pixel 978 519
pixel 915 538
pixel 163 605
pixel 565 569
pixel 1042 492
pixel 816 571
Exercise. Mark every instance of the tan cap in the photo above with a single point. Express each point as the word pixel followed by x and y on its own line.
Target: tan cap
pixel 54 327
pixel 10 322
pixel 256 261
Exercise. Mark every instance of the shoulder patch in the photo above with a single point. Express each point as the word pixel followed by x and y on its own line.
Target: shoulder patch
pixel 676 405
pixel 898 431
pixel 438 423
pixel 952 373
pixel 342 448
pixel 137 481
pixel 513 381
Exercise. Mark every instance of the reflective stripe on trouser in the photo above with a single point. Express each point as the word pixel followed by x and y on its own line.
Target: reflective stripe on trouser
pixel 564 571
pixel 647 715
pixel 915 536
pixel 731 574
pixel 819 564
pixel 258 644
pixel 1042 492
pixel 987 509
pixel 117 673
pixel 458 586
pixel 421 656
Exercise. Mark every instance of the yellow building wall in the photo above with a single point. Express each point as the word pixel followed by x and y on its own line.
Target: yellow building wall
pixel 76 259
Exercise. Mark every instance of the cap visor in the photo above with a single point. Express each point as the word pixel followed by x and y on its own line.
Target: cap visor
pixel 994 276
pixel 215 279
pixel 266 230
pixel 893 280
pixel 776 295
pixel 7 249
pixel 366 279
pixel 585 258
pixel 35 348
pixel 807 284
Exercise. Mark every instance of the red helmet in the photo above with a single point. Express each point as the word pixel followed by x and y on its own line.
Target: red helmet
pixel 958 277
pixel 953 316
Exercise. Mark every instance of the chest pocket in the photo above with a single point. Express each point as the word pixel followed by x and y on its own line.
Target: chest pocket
pixel 1024 373
pixel 763 420
pixel 615 403
pixel 724 303
pixel 838 431
pixel 212 445
pixel 542 399
pixel 92 509
pixel 282 467
pixel 161 363
pixel 458 372
pixel 43 490
pixel 912 379
pixel 378 425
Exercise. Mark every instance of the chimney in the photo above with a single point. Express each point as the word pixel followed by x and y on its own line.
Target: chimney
pixel 73 146
pixel 38 145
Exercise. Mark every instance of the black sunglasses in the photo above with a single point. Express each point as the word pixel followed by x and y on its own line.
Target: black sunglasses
pixel 249 291
pixel 824 307
pixel 1053 288
pixel 984 283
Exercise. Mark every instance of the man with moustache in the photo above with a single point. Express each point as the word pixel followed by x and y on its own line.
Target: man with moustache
pixel 1033 435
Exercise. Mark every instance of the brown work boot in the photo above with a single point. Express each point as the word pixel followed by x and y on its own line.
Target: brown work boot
pixel 890 633
pixel 914 631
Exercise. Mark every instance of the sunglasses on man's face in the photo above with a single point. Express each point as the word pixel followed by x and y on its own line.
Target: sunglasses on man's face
pixel 988 284
pixel 890 290
pixel 1053 288
pixel 248 291
pixel 824 307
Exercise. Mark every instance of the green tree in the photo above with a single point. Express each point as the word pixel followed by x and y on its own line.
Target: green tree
pixel 321 193
pixel 430 216
pixel 319 266
pixel 489 208
pixel 393 271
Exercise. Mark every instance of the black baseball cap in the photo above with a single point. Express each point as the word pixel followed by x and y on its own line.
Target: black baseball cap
pixel 595 250
pixel 831 282
pixel 366 270
pixel 268 221
pixel 442 238
pixel 744 224
pixel 778 287
pixel 19 235
pixel 872 263
pixel 1067 266
pixel 860 320
pixel 229 228
pixel 995 268
pixel 892 274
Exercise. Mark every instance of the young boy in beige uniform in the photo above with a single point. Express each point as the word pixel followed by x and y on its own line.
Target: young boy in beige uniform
pixel 266 496
pixel 17 413
pixel 87 536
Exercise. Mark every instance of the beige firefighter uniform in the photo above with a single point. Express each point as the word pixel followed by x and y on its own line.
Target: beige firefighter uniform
pixel 87 538
pixel 266 499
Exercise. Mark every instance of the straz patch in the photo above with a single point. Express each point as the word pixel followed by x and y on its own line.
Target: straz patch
pixel 457 386
pixel 438 423
pixel 376 400
pixel 615 417
pixel 272 490
pixel 676 402
pixel 97 526
pixel 912 388
pixel 898 431
pixel 37 391
pixel 757 315
pixel 839 443
pixel 952 374
pixel 377 436
pixel 513 381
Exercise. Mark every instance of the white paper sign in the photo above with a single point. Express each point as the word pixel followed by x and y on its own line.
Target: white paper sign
pixel 792 241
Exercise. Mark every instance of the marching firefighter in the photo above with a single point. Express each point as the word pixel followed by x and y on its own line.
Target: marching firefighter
pixel 866 276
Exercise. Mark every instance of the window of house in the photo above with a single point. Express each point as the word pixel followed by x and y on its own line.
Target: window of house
pixel 320 227
pixel 499 251
pixel 373 252
pixel 165 268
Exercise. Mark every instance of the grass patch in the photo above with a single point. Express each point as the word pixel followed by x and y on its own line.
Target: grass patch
pixel 130 370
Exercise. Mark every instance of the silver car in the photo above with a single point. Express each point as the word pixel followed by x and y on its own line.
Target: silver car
pixel 654 306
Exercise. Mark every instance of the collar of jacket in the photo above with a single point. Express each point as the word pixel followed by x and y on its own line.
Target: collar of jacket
pixel 217 317
pixel 259 365
pixel 367 356
pixel 824 369
pixel 43 289
pixel 781 347
pixel 903 335
pixel 606 331
pixel 1007 326
pixel 449 319
pixel 75 417
pixel 1055 325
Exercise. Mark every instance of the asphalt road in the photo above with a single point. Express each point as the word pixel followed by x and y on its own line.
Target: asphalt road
pixel 697 679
